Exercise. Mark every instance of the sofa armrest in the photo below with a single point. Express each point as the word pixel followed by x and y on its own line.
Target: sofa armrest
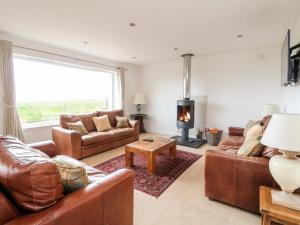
pixel 47 147
pixel 228 176
pixel 136 125
pixel 107 201
pixel 236 131
pixel 68 142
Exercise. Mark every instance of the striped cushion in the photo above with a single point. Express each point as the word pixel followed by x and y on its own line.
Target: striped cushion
pixel 250 148
pixel 249 125
pixel 73 176
pixel 122 122
pixel 78 127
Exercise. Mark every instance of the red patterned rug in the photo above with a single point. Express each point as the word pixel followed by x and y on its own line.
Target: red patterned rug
pixel 167 170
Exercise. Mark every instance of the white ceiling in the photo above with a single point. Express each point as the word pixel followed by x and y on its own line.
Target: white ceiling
pixel 198 26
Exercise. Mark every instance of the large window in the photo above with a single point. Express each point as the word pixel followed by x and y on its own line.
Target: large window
pixel 45 89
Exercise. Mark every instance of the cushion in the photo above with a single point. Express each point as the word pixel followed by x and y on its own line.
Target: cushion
pixel 251 147
pixel 111 115
pixel 268 152
pixel 96 137
pixel 31 180
pixel 120 132
pixel 122 122
pixel 86 119
pixel 102 123
pixel 254 133
pixel 235 141
pixel 73 175
pixel 78 127
pixel 250 124
pixel 92 173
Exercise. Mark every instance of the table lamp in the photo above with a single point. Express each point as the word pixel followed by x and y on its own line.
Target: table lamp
pixel 139 100
pixel 270 109
pixel 283 133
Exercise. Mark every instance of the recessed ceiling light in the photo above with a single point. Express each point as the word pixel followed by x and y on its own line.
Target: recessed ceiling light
pixel 133 57
pixel 239 36
pixel 132 24
pixel 85 42
pixel 175 49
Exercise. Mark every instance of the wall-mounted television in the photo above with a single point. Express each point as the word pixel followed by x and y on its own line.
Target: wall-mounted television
pixel 289 62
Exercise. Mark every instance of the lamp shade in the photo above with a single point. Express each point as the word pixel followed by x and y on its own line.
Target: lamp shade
pixel 283 132
pixel 139 99
pixel 270 109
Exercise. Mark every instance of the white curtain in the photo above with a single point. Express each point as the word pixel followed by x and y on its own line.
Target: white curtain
pixel 11 121
pixel 120 89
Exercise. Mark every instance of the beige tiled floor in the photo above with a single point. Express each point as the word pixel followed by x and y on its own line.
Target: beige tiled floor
pixel 183 203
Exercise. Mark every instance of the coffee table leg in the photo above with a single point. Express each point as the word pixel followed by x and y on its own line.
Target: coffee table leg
pixel 151 164
pixel 128 159
pixel 172 152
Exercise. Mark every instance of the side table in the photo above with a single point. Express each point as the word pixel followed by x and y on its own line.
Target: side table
pixel 275 213
pixel 140 117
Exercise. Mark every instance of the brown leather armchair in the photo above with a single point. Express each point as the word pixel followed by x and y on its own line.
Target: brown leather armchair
pixel 109 200
pixel 235 179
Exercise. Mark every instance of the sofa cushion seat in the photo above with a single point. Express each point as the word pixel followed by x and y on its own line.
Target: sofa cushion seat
pixel 234 141
pixel 96 137
pixel 121 132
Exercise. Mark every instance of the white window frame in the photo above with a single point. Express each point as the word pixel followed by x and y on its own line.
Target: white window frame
pixel 52 123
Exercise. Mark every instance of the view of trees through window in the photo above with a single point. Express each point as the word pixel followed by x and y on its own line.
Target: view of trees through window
pixel 45 90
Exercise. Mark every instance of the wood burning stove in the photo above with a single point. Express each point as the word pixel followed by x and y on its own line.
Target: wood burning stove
pixel 186 109
pixel 185 117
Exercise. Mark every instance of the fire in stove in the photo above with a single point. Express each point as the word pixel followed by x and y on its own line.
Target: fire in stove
pixel 185 117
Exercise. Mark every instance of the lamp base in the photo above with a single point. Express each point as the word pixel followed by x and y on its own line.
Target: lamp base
pixel 288 200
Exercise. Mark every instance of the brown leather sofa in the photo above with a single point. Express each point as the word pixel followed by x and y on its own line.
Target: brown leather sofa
pixel 235 179
pixel 73 144
pixel 31 191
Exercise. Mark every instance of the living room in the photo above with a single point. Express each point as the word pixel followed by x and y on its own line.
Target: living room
pixel 110 94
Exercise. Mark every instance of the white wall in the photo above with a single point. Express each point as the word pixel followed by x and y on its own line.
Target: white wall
pixel 44 133
pixel 291 96
pixel 237 85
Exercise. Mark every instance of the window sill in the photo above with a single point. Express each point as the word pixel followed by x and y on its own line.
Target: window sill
pixel 43 124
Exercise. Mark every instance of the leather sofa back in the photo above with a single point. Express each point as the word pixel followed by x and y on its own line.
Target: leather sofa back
pixel 33 181
pixel 111 115
pixel 265 121
pixel 86 119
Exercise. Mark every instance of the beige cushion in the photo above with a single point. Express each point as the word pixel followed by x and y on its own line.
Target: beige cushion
pixel 92 173
pixel 73 175
pixel 250 124
pixel 250 148
pixel 122 122
pixel 78 127
pixel 102 123
pixel 254 133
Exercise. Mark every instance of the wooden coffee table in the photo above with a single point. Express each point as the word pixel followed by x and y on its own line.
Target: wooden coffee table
pixel 150 150
pixel 275 213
